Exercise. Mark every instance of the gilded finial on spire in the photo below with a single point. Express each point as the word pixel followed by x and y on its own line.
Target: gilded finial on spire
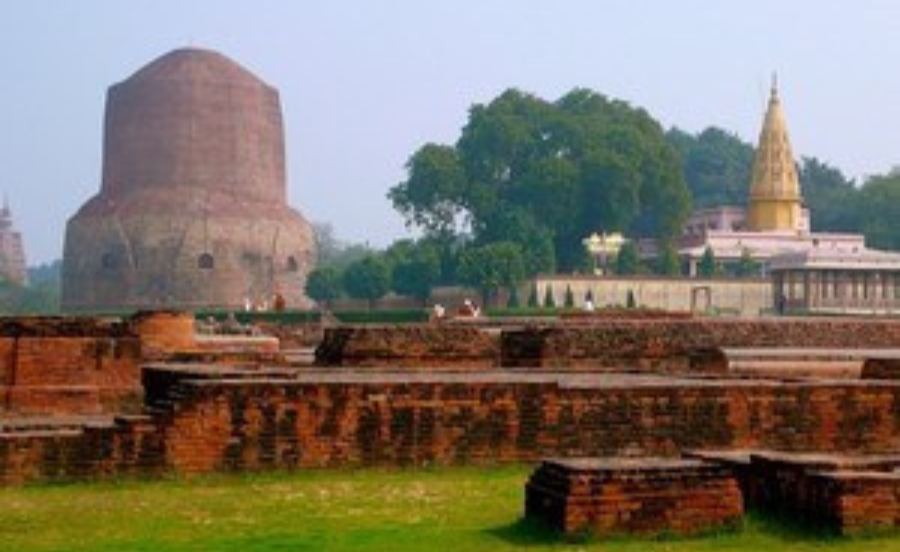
pixel 774 84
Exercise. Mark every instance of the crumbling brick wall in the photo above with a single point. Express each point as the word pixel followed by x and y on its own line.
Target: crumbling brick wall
pixel 60 366
pixel 344 420
pixel 672 344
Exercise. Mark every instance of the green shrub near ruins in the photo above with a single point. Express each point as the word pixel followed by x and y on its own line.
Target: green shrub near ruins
pixel 569 300
pixel 549 299
pixel 455 509
pixel 533 297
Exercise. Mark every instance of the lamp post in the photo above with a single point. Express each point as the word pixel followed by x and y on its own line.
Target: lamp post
pixel 600 247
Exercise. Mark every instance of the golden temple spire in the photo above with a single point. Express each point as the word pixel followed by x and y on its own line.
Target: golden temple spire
pixel 775 202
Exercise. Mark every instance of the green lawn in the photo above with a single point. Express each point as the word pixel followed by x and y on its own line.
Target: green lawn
pixel 456 509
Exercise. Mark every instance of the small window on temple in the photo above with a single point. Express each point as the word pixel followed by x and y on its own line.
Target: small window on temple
pixel 206 262
pixel 292 264
pixel 108 261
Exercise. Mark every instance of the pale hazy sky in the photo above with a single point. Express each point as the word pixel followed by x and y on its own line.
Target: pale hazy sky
pixel 365 83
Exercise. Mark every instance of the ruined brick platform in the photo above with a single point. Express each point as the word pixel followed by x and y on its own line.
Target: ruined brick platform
pixel 201 419
pixel 465 346
pixel 461 405
pixel 853 502
pixel 67 365
pixel 838 492
pixel 612 496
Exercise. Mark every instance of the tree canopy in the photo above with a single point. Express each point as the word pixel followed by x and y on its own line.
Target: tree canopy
pixel 879 202
pixel 491 267
pixel 368 278
pixel 717 166
pixel 545 174
pixel 323 285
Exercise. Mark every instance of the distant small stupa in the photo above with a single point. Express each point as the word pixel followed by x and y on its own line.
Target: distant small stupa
pixel 12 254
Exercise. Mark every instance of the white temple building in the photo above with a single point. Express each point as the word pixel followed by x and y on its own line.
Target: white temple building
pixel 775 221
pixel 812 272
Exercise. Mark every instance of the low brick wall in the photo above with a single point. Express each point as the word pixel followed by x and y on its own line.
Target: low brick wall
pixel 61 366
pixel 363 418
pixel 839 492
pixel 461 346
pixel 853 502
pixel 610 496
pixel 672 345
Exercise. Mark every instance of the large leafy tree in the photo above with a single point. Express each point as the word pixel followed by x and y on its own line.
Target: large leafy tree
pixel 542 175
pixel 833 200
pixel 880 201
pixel 323 285
pixel 368 278
pixel 491 267
pixel 416 268
pixel 627 261
pixel 717 166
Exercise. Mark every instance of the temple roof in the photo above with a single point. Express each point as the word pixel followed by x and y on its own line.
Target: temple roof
pixel 774 171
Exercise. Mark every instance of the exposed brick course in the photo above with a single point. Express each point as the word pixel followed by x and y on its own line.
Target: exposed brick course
pixel 246 420
pixel 680 345
pixel 415 346
pixel 610 496
pixel 68 366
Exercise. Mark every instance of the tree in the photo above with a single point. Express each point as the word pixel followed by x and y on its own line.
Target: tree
pixel 416 270
pixel 323 285
pixel 330 251
pixel 513 301
pixel 627 261
pixel 833 200
pixel 546 174
pixel 708 266
pixel 432 195
pixel 569 300
pixel 549 299
pixel 368 278
pixel 880 201
pixel 667 263
pixel 630 301
pixel 533 297
pixel 717 166
pixel 746 265
pixel 40 298
pixel 491 267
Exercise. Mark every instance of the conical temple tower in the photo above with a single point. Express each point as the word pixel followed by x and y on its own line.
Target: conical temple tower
pixel 775 201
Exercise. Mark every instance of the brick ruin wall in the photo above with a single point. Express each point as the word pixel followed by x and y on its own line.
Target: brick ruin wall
pixel 199 420
pixel 466 346
pixel 54 366
pixel 583 344
pixel 675 344
pixel 223 425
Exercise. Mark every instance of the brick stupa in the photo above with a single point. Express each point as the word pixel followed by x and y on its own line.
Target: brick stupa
pixel 192 210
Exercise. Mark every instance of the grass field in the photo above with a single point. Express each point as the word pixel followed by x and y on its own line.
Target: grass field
pixel 459 509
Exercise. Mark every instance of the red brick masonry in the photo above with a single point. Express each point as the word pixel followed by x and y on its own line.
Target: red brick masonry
pixel 682 345
pixel 844 493
pixel 68 366
pixel 202 420
pixel 610 496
